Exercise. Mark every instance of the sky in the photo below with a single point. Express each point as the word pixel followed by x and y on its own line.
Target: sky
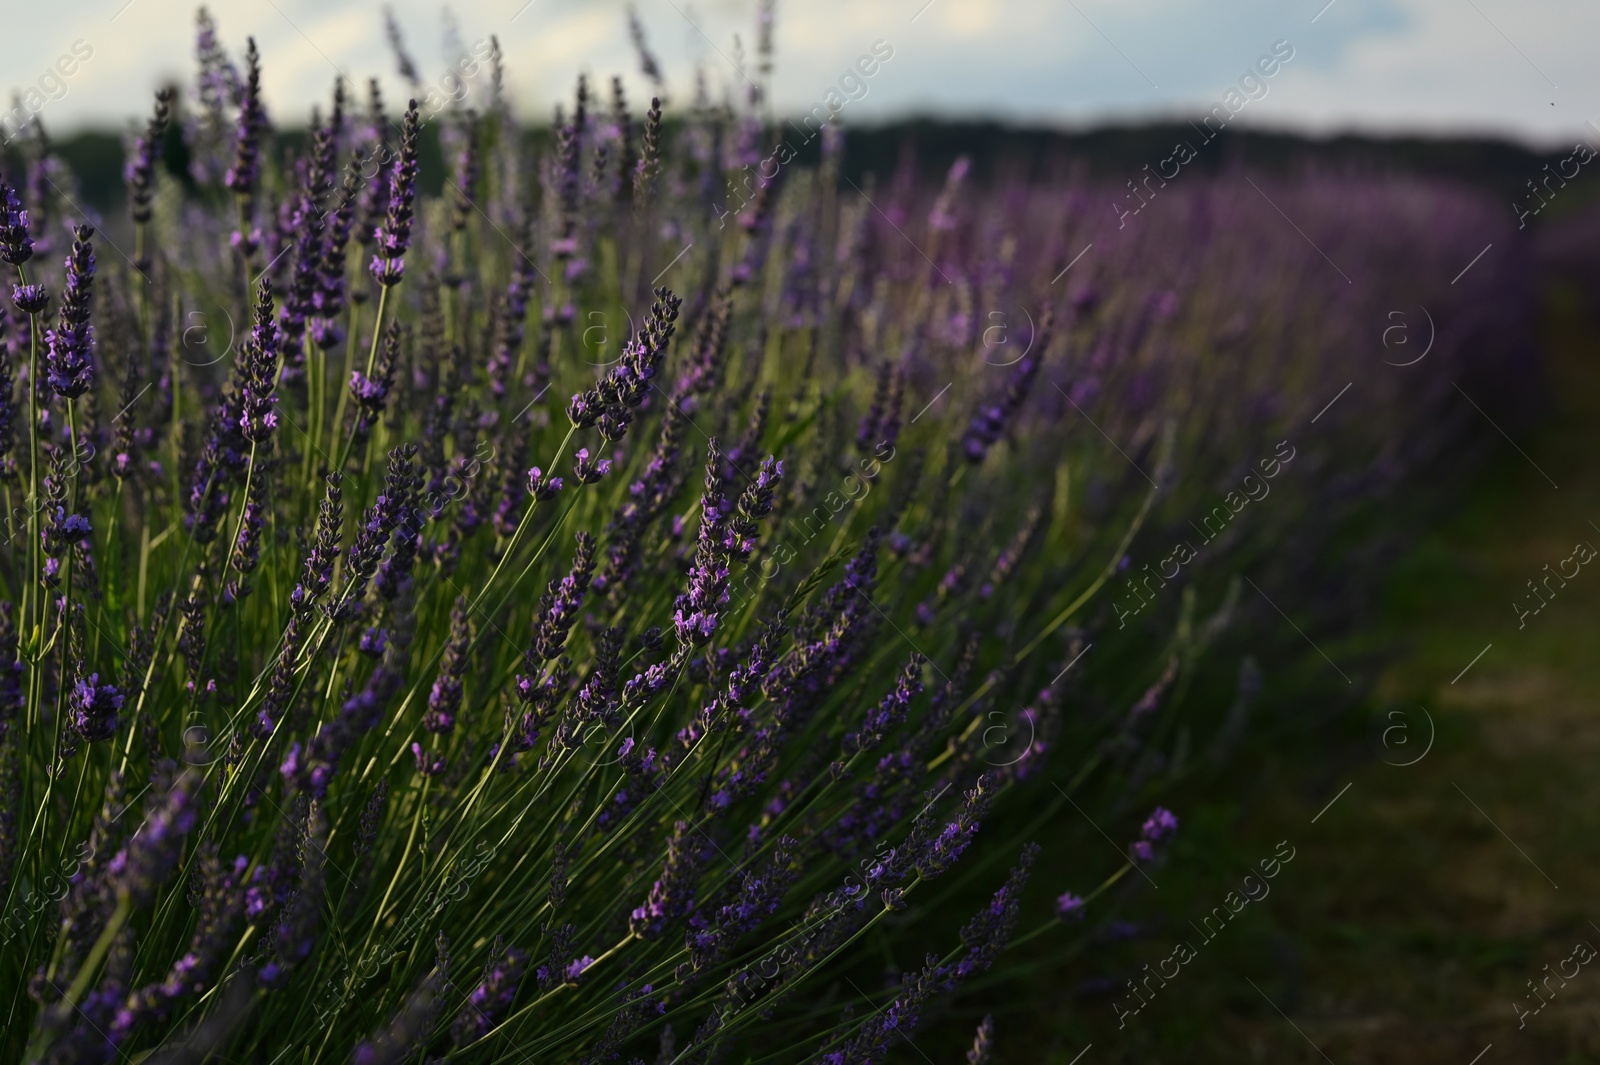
pixel 1520 69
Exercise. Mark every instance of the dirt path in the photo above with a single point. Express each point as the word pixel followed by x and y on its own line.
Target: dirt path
pixel 1424 897
pixel 1428 896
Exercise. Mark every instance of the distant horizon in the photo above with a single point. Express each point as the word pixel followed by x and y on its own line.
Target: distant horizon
pixel 1025 125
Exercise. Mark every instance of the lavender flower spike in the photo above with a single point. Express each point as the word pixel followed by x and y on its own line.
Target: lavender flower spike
pixel 260 406
pixel 444 701
pixel 1157 828
pixel 493 996
pixel 673 894
pixel 982 1043
pixel 611 402
pixel 94 708
pixel 151 856
pixel 70 357
pixel 891 711
pixel 561 602
pixel 394 236
pixel 243 175
pixel 140 171
pixel 991 421
pixel 16 246
pixel 695 612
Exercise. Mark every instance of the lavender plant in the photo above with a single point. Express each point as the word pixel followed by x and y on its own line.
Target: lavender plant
pixel 839 516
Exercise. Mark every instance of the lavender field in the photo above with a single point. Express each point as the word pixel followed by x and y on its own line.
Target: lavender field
pixel 671 596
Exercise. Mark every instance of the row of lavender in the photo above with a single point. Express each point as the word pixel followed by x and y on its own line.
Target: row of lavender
pixel 861 518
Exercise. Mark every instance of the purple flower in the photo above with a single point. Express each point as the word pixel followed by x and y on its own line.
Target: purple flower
pixel 219 911
pixel 62 530
pixel 359 714
pixel 16 246
pixel 94 708
pixel 986 934
pixel 292 763
pixel 881 424
pixel 672 896
pixel 371 393
pixel 901 1017
pixel 294 936
pixel 394 236
pixel 140 169
pixel 380 521
pixel 30 299
pixel 892 709
pixel 759 896
pixel 597 701
pixel 371 818
pixel 755 503
pixel 318 572
pixel 942 216
pixel 243 175
pixel 584 410
pixel 744 680
pixel 611 403
pixel 492 998
pixel 151 857
pixel 71 345
pixel 247 545
pixel 589 472
pixel 983 1042
pixel 329 299
pixel 512 322
pixel 387 272
pixel 722 539
pixel 444 701
pixel 1159 825
pixel 1069 905
pixel 1157 828
pixel 373 641
pixel 1152 696
pixel 542 487
pixel 259 405
pixel 428 763
pixel 306 224
pixel 991 421
pixel 553 972
pixel 931 857
pixel 559 606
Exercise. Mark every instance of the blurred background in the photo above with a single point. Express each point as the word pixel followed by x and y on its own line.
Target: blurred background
pixel 1485 89
pixel 1445 861
pixel 1462 67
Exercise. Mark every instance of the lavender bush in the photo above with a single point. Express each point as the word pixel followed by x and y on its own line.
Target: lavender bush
pixel 580 616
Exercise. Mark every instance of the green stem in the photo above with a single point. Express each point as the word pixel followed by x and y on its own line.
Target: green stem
pixel 344 381
pixel 372 358
pixel 30 593
pixel 43 1034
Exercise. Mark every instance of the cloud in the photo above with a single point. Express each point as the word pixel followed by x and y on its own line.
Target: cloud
pixel 1418 65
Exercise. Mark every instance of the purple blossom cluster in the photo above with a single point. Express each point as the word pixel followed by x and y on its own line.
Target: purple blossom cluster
pixel 611 402
pixel 393 237
pixel 71 344
pixel 1157 828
